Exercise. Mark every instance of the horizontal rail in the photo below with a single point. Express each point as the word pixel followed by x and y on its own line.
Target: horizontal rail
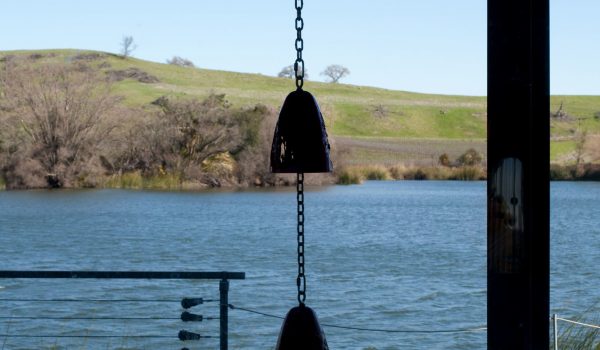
pixel 92 336
pixel 19 300
pixel 578 323
pixel 124 275
pixel 102 318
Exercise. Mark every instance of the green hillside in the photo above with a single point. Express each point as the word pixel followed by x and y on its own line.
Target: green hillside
pixel 378 125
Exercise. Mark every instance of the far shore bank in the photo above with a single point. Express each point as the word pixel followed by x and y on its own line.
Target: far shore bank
pixel 350 175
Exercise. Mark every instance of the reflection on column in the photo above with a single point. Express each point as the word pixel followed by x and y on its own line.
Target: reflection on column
pixel 506 217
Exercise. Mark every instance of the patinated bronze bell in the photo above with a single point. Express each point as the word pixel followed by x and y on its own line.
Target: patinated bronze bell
pixel 300 142
pixel 301 331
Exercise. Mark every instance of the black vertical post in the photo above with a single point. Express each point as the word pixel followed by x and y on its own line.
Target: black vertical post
pixel 518 174
pixel 223 316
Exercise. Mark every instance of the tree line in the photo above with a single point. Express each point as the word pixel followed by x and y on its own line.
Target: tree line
pixel 62 126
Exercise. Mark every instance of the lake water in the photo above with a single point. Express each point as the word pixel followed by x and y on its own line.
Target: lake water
pixel 396 255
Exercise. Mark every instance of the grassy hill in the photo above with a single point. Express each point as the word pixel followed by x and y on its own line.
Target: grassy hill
pixel 377 125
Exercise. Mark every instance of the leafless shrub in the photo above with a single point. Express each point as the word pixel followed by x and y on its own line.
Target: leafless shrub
pixel 56 117
pixel 124 142
pixel 253 162
pixel 25 173
pixel 182 135
pixel 194 131
pixel 82 67
pixel 470 158
pixel 444 159
pixel 181 62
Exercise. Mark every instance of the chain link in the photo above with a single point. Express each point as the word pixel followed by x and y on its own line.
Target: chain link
pixel 301 279
pixel 299 75
pixel 299 44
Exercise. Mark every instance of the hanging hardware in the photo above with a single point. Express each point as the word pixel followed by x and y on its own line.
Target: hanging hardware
pixel 299 64
pixel 301 331
pixel 189 317
pixel 300 146
pixel 187 303
pixel 300 143
pixel 301 279
pixel 186 335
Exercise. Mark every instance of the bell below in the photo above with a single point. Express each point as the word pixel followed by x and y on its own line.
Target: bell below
pixel 300 143
pixel 301 331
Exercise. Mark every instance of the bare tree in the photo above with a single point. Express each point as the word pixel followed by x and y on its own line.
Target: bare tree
pixel 127 46
pixel 181 62
pixel 288 72
pixel 253 162
pixel 196 140
pixel 335 72
pixel 185 133
pixel 57 115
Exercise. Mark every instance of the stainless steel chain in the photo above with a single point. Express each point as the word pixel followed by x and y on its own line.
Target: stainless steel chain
pixel 299 64
pixel 301 279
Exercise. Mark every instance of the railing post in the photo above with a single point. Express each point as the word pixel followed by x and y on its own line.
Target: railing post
pixel 555 330
pixel 223 317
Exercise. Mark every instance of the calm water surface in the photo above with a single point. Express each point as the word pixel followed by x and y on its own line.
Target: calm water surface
pixel 393 255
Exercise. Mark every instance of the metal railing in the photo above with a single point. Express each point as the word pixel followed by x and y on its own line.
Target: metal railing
pixel 186 303
pixel 555 332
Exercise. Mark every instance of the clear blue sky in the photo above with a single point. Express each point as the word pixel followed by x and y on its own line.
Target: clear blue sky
pixel 433 46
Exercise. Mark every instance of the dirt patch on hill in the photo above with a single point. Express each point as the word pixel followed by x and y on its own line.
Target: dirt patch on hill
pixel 38 56
pixel 91 56
pixel 132 73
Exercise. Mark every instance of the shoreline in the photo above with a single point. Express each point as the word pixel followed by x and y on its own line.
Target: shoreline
pixel 352 175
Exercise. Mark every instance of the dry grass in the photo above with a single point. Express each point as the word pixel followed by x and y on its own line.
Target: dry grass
pixel 577 337
pixel 356 174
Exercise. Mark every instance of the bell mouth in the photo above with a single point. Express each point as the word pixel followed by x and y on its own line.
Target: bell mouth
pixel 300 143
pixel 301 331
